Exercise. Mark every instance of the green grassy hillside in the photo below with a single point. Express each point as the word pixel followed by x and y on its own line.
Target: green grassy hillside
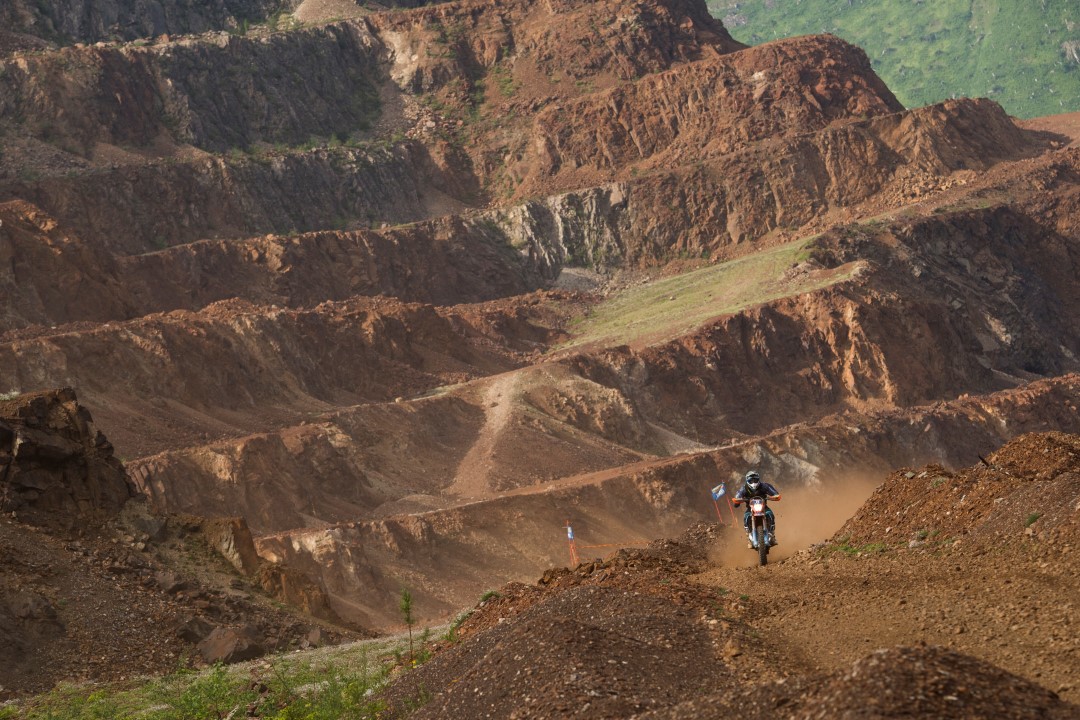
pixel 660 311
pixel 1025 54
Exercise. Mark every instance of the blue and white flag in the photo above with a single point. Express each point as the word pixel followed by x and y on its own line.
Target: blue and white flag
pixel 569 532
pixel 718 491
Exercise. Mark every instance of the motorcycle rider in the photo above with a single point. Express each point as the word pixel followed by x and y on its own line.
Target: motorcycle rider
pixel 754 487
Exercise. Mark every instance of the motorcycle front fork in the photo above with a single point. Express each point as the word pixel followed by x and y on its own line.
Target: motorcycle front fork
pixel 750 534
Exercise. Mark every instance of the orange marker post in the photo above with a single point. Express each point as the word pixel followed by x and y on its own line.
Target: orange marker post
pixel 719 516
pixel 720 491
pixel 574 560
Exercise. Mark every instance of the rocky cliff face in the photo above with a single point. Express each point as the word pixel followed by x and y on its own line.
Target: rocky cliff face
pixel 87 567
pixel 447 261
pixel 221 93
pixel 58 469
pixel 268 364
pixel 444 261
pixel 551 41
pixel 93 20
pixel 356 461
pixel 137 209
pixel 1014 297
pixel 508 122
pixel 80 112
pixel 708 211
pixel 698 110
pixel 48 274
pixel 714 207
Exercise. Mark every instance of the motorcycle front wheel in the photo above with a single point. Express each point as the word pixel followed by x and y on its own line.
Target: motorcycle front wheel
pixel 762 546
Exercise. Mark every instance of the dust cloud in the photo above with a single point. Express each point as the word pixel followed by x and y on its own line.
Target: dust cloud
pixel 804 516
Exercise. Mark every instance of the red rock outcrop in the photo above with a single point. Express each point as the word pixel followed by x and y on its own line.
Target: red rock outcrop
pixel 1027 489
pixel 721 206
pixel 698 110
pixel 548 42
pixel 59 470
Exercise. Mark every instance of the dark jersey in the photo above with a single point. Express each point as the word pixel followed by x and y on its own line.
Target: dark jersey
pixel 764 490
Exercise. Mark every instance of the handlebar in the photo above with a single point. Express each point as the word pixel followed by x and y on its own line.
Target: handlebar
pixel 737 501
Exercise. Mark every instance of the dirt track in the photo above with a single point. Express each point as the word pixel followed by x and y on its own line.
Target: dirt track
pixel 979 561
pixel 974 618
pixel 826 609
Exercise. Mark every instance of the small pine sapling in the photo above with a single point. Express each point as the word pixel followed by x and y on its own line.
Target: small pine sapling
pixel 406 612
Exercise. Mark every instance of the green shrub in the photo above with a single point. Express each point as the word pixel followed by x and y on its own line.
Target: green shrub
pixel 844 545
pixel 194 696
pixel 327 692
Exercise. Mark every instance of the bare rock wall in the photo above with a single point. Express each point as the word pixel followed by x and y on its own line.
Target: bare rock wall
pixel 135 209
pixel 215 93
pixel 58 469
pixel 94 20
pixel 713 208
pixel 703 109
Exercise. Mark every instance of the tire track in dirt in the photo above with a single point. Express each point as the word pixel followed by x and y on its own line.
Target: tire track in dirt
pixel 473 476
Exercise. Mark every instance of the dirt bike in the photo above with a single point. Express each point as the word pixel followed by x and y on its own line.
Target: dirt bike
pixel 760 537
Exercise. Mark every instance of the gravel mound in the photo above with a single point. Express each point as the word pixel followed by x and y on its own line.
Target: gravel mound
pixel 931 682
pixel 902 682
pixel 607 639
pixel 1029 489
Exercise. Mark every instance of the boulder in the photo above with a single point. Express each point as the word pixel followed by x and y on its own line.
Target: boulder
pixel 194 629
pixel 169 582
pixel 232 538
pixel 230 645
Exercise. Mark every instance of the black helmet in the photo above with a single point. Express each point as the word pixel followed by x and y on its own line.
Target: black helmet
pixel 753 480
